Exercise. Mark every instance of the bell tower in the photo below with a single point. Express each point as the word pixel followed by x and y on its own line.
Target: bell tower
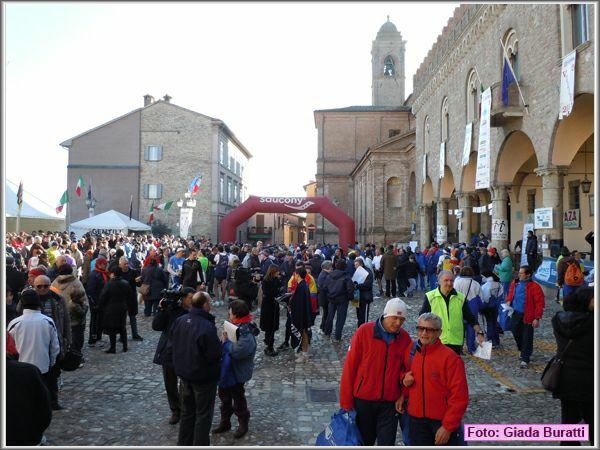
pixel 387 60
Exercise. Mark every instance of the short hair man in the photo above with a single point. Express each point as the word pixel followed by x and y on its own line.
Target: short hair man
pixel 370 378
pixel 198 366
pixel 437 390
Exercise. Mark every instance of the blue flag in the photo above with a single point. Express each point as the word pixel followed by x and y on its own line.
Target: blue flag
pixel 507 80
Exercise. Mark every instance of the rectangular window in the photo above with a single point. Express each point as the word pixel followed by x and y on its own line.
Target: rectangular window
pixel 222 153
pixel 237 168
pixel 229 191
pixel 222 188
pixel 579 24
pixel 574 200
pixel 531 201
pixel 393 133
pixel 153 153
pixel 231 165
pixel 152 191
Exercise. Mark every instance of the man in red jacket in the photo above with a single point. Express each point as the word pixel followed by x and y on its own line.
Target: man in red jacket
pixel 528 301
pixel 372 372
pixel 436 384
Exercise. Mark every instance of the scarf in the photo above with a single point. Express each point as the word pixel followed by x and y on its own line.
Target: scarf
pixel 103 272
pixel 245 319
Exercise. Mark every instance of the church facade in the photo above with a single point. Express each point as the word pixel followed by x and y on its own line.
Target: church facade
pixel 366 160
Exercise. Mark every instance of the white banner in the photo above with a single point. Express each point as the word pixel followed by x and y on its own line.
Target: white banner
pixel 482 176
pixel 467 146
pixel 499 229
pixel 441 233
pixel 567 85
pixel 442 158
pixel 526 228
pixel 571 218
pixel 185 221
pixel 424 167
pixel 543 218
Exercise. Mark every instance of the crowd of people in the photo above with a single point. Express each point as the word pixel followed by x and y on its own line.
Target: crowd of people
pixel 58 285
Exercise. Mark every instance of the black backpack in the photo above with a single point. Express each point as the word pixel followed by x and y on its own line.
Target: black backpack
pixel 221 268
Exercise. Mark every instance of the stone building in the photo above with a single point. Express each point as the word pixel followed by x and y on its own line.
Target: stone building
pixel 365 153
pixel 311 218
pixel 277 228
pixel 153 153
pixel 536 159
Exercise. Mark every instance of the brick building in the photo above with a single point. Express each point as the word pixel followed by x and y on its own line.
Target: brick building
pixel 153 153
pixel 537 161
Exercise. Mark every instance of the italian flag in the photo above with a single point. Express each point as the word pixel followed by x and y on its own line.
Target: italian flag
pixel 79 186
pixel 63 201
pixel 164 206
pixel 151 218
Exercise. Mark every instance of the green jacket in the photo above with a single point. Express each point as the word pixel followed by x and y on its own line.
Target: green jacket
pixel 452 321
pixel 505 270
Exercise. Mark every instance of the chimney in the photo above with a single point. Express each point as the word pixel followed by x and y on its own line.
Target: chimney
pixel 148 99
pixel 167 98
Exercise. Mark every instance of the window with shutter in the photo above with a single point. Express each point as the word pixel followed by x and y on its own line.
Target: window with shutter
pixel 153 153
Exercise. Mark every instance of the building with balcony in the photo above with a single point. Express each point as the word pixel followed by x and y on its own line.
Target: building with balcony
pixel 536 160
pixel 152 154
pixel 277 228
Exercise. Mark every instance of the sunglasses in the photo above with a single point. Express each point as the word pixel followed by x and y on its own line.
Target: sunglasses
pixel 427 329
pixel 42 286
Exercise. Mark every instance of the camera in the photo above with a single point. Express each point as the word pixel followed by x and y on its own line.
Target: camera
pixel 172 298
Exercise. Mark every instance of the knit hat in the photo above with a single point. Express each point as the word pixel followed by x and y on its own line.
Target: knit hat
pixel 395 307
pixel 30 299
pixel 37 271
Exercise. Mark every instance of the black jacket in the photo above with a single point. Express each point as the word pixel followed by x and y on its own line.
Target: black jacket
pixel 191 272
pixel 95 284
pixel 269 310
pixel 164 321
pixel 28 411
pixel 130 276
pixel 339 287
pixel 531 248
pixel 16 280
pixel 113 304
pixel 315 266
pixel 365 290
pixel 157 279
pixel 196 347
pixel 576 381
pixel 486 263
pixel 300 307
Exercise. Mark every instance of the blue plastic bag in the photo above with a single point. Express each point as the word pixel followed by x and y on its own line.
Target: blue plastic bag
pixel 342 430
pixel 504 319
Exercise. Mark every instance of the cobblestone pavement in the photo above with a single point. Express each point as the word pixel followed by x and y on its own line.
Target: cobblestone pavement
pixel 119 399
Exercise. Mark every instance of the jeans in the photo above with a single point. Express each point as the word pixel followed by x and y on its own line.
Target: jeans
pixel 432 281
pixel 50 379
pixel 362 313
pixel 422 432
pixel 171 382
pixel 342 310
pixel 412 286
pixel 475 305
pixel 389 283
pixel 402 285
pixel 490 312
pixel 523 334
pixel 376 421
pixel 133 324
pixel 150 307
pixel 197 408
pixel 95 325
pixel 422 281
pixel 78 336
pixel 233 400
pixel 574 412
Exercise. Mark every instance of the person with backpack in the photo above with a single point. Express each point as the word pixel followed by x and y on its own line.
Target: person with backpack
pixel 220 274
pixel 472 292
pixel 340 290
pixel 570 273
pixel 365 290
pixel 527 299
pixel 492 294
pixel 431 260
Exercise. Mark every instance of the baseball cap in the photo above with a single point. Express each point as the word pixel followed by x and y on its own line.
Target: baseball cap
pixel 395 307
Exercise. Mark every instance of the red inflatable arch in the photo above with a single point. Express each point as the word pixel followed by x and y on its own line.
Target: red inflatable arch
pixel 321 205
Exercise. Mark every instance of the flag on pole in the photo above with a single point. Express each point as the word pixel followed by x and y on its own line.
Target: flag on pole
pixel 131 207
pixel 79 186
pixel 164 206
pixel 195 185
pixel 151 218
pixel 20 195
pixel 63 201
pixel 507 80
pixel 89 193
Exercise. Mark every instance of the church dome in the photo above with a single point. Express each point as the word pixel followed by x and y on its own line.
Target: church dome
pixel 387 27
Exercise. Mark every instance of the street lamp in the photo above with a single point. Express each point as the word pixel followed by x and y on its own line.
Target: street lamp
pixel 91 204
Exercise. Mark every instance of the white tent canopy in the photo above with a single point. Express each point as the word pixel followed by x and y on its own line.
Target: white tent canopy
pixel 32 206
pixel 108 222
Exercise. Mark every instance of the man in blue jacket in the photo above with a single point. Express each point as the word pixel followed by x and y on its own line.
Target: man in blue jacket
pixel 196 360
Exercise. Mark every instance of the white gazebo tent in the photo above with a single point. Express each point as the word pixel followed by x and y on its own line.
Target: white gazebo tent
pixel 34 215
pixel 106 223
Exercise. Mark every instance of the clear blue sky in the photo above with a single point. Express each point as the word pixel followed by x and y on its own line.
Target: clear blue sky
pixel 262 68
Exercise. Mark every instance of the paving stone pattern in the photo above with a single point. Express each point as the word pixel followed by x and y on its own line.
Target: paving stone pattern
pixel 119 399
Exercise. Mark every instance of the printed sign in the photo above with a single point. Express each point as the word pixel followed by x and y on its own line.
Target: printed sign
pixel 571 218
pixel 185 221
pixel 441 233
pixel 567 85
pixel 482 175
pixel 499 229
pixel 543 218
pixel 442 158
pixel 467 145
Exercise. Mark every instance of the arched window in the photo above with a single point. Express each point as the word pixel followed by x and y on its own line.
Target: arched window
pixel 512 51
pixel 472 97
pixel 388 67
pixel 426 135
pixel 394 192
pixel 445 119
